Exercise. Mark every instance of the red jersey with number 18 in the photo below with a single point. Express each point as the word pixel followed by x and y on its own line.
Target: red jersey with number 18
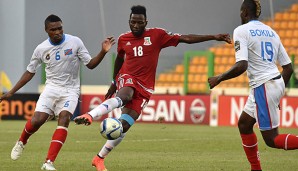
pixel 141 53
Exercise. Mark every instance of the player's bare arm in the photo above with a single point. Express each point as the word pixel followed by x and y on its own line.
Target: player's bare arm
pixel 193 38
pixel 287 71
pixel 236 70
pixel 118 64
pixel 106 46
pixel 26 77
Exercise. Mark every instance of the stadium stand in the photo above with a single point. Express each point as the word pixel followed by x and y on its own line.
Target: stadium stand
pixel 285 24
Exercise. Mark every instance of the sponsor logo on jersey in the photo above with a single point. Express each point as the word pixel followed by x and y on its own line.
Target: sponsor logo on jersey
pixel 128 43
pixel 68 52
pixel 48 57
pixel 147 41
pixel 237 45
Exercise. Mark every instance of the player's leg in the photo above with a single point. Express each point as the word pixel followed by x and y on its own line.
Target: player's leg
pixel 282 141
pixel 127 119
pixel 124 95
pixel 130 113
pixel 249 140
pixel 246 123
pixel 271 93
pixel 31 126
pixel 59 136
pixel 65 107
pixel 58 139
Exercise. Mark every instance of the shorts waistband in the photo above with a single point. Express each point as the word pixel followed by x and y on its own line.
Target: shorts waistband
pixel 276 78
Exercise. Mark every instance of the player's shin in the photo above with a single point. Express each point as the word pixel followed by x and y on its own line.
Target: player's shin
pixel 110 145
pixel 106 107
pixel 250 146
pixel 286 141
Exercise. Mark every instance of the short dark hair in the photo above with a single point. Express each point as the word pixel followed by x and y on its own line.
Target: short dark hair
pixel 138 9
pixel 254 7
pixel 51 18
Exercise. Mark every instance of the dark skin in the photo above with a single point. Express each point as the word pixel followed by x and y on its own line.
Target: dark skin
pixel 137 24
pixel 55 33
pixel 246 122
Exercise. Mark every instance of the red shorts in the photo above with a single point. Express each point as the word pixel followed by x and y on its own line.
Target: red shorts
pixel 140 97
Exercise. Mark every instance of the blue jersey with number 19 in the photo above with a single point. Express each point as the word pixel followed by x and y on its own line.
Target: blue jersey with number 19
pixel 260 45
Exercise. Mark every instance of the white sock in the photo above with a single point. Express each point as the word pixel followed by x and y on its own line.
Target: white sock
pixel 109 145
pixel 106 107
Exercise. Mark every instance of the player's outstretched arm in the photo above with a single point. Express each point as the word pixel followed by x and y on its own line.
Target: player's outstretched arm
pixel 193 38
pixel 236 70
pixel 287 71
pixel 106 46
pixel 26 77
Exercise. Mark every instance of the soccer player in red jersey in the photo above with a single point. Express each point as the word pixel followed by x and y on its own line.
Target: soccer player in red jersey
pixel 134 73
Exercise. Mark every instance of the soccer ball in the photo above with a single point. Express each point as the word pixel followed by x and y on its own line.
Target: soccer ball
pixel 111 128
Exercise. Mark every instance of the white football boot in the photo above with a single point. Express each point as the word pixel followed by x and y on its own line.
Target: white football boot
pixel 17 150
pixel 48 166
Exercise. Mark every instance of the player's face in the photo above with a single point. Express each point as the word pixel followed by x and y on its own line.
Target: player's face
pixel 55 31
pixel 137 24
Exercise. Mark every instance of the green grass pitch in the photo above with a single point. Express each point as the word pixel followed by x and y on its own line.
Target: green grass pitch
pixel 147 147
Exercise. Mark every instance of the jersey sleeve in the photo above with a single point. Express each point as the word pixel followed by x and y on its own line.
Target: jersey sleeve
pixel 283 57
pixel 83 53
pixel 168 38
pixel 35 61
pixel 240 37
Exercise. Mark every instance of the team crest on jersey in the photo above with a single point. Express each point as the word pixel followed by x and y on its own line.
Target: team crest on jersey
pixel 237 45
pixel 128 81
pixel 147 41
pixel 48 57
pixel 68 52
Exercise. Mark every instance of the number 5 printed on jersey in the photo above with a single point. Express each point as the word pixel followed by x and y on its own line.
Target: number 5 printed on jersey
pixel 268 48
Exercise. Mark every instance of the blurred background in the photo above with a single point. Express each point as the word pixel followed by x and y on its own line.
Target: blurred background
pixel 22 29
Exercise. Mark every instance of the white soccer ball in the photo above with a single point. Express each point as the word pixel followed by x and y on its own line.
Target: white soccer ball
pixel 111 128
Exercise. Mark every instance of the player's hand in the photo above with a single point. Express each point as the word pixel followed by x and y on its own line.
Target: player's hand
pixel 107 44
pixel 213 81
pixel 223 37
pixel 5 96
pixel 111 91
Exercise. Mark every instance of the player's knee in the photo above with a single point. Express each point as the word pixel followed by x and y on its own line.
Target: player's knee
pixel 64 119
pixel 38 119
pixel 125 99
pixel 269 142
pixel 242 126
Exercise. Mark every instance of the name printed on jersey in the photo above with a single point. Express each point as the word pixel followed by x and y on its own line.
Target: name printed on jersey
pixel 265 33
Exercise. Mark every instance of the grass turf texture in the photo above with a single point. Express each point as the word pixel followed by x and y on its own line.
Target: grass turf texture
pixel 152 147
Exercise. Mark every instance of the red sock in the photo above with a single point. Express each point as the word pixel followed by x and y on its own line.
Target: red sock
pixel 27 132
pixel 286 141
pixel 58 140
pixel 250 146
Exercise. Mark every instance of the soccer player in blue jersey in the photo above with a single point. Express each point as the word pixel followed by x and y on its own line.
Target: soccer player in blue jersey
pixel 257 48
